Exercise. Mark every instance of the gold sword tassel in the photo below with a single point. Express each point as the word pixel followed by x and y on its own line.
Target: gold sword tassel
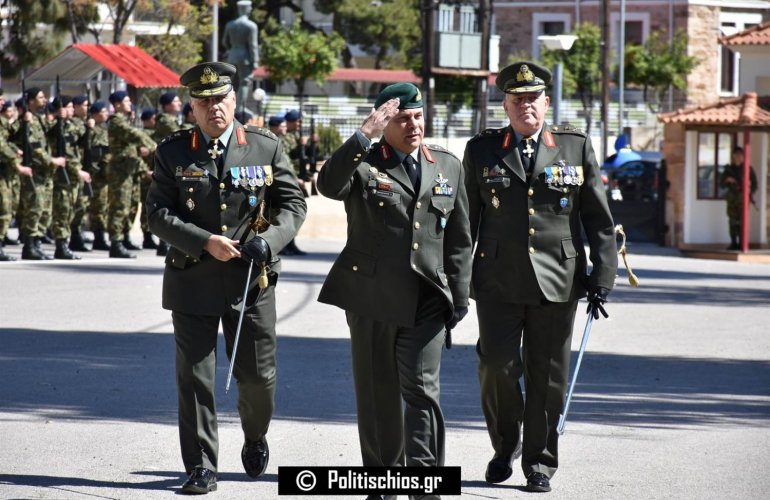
pixel 632 279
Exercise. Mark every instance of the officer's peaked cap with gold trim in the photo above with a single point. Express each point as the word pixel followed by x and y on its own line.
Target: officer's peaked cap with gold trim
pixel 523 76
pixel 409 95
pixel 209 79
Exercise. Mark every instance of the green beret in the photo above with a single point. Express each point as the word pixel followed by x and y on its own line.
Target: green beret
pixel 523 76
pixel 409 95
pixel 209 79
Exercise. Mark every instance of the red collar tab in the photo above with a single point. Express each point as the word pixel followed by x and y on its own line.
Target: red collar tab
pixel 427 154
pixel 507 140
pixel 240 134
pixel 386 154
pixel 195 140
pixel 548 139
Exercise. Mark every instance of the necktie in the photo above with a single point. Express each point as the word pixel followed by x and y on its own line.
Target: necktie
pixel 412 171
pixel 527 152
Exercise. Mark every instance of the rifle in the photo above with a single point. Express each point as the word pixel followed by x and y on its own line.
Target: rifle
pixel 26 148
pixel 60 147
pixel 88 161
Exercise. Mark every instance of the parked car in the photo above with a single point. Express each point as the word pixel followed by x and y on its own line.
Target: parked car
pixel 635 179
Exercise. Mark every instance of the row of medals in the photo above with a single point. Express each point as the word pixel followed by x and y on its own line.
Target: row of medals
pixel 561 175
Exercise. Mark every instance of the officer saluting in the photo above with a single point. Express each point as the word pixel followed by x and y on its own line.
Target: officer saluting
pixel 402 277
pixel 530 189
pixel 210 183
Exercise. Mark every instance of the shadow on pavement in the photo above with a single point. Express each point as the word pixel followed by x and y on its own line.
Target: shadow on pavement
pixel 114 376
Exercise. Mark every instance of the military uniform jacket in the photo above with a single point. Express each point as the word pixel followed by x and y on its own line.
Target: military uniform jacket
pixel 125 141
pixel 528 230
pixel 187 202
pixel 397 237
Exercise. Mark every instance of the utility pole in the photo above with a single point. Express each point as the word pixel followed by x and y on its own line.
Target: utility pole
pixel 485 21
pixel 605 55
pixel 428 49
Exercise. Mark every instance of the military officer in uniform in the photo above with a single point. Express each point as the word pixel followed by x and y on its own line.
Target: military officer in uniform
pixel 530 189
pixel 210 184
pixel 403 276
pixel 731 180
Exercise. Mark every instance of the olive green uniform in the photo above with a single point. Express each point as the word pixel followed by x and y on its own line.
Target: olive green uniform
pixel 36 196
pixel 189 200
pixel 734 196
pixel 125 164
pixel 81 203
pixel 65 195
pixel 529 271
pixel 100 160
pixel 404 269
pixel 9 160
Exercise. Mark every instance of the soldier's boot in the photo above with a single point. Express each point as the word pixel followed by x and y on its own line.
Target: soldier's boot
pixel 162 249
pixel 127 243
pixel 8 241
pixel 63 251
pixel 100 241
pixel 29 251
pixel 4 257
pixel 38 245
pixel 149 243
pixel 47 238
pixel 734 243
pixel 76 240
pixel 118 251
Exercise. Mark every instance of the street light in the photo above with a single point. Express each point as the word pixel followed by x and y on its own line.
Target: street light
pixel 557 42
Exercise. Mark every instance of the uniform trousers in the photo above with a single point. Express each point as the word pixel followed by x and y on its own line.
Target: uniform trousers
pixel 391 363
pixel 254 371
pixel 546 330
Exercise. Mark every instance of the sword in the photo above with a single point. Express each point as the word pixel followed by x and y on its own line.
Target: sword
pixel 262 285
pixel 583 343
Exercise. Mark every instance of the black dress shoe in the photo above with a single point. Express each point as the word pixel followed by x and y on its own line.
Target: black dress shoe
pixel 538 482
pixel 201 481
pixel 255 455
pixel 499 468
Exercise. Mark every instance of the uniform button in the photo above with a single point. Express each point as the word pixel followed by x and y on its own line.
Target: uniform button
pixel 382 204
pixel 482 254
pixel 190 190
pixel 531 191
pixel 531 249
pixel 419 204
pixel 414 266
pixel 224 228
pixel 566 190
pixel 355 268
pixel 415 246
pixel 221 185
pixel 531 211
pixel 417 225
pixel 493 190
pixel 223 206
pixel 532 230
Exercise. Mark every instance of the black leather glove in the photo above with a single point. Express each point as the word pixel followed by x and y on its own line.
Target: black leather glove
pixel 597 297
pixel 457 316
pixel 256 249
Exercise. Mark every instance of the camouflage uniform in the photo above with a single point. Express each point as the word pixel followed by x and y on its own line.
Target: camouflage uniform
pixel 125 163
pixel 37 198
pixel 81 203
pixel 65 195
pixel 8 162
pixel 734 197
pixel 291 145
pixel 165 125
pixel 100 158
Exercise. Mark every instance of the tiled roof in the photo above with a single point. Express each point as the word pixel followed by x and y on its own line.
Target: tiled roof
pixel 747 110
pixel 757 35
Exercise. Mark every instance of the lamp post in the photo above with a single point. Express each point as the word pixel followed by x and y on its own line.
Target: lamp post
pixel 557 42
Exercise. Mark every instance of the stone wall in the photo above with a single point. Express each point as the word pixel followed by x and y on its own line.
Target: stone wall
pixel 703 32
pixel 674 151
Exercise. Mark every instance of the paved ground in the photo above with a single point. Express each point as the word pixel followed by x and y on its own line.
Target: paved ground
pixel 673 399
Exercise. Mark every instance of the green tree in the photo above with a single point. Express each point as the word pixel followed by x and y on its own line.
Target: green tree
pixel 658 65
pixel 299 55
pixel 177 51
pixel 582 67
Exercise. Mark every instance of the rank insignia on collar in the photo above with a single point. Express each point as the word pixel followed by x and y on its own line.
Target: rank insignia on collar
pixel 179 171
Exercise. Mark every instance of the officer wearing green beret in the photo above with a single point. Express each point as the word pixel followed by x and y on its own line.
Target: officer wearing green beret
pixel 531 187
pixel 210 186
pixel 402 277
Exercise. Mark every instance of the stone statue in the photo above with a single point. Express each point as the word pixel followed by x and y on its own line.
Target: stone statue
pixel 240 41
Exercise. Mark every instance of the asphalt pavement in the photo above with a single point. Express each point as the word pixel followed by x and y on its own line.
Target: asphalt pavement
pixel 673 398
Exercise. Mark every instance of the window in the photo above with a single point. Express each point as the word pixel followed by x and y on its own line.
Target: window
pixel 445 19
pixel 548 24
pixel 731 23
pixel 467 19
pixel 637 29
pixel 714 149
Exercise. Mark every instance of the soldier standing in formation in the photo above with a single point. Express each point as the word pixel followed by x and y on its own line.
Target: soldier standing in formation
pixel 731 181
pixel 402 277
pixel 530 189
pixel 127 146
pixel 100 160
pixel 210 184
pixel 293 142
pixel 83 125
